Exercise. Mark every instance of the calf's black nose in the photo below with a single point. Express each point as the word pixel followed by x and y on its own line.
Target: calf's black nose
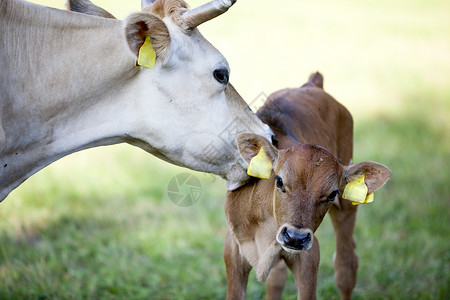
pixel 296 239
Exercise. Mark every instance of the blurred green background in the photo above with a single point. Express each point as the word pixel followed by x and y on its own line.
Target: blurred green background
pixel 99 225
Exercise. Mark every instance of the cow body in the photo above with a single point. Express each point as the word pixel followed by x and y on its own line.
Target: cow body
pixel 68 82
pixel 272 222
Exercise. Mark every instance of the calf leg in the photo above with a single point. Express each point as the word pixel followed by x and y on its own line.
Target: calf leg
pixel 237 268
pixel 304 267
pixel 276 281
pixel 346 260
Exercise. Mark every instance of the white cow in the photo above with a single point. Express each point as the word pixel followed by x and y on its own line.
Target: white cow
pixel 68 82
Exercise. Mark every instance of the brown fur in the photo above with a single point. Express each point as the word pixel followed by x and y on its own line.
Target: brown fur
pixel 176 9
pixel 173 9
pixel 259 212
pixel 167 8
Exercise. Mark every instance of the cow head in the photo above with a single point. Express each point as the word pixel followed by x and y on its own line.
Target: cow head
pixel 187 112
pixel 306 181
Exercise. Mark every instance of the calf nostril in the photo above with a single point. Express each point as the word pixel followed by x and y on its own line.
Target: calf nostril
pixel 274 140
pixel 287 238
pixel 307 238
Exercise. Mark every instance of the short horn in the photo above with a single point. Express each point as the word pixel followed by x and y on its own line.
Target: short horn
pixel 206 12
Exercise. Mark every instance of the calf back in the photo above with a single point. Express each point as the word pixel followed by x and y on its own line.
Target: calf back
pixel 309 115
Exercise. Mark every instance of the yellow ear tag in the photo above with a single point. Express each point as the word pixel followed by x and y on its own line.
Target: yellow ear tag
pixel 356 190
pixel 147 55
pixel 260 166
pixel 369 199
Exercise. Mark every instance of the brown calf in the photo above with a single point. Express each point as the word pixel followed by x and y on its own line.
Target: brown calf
pixel 272 222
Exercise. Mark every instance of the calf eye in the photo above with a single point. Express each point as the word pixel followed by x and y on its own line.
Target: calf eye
pixel 279 183
pixel 332 196
pixel 221 75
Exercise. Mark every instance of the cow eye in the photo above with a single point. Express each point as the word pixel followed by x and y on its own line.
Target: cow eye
pixel 332 196
pixel 279 183
pixel 221 75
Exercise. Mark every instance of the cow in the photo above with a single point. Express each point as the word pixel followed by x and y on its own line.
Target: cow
pixel 71 81
pixel 272 222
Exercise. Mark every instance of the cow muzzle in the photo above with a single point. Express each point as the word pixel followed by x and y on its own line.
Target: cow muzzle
pixel 293 239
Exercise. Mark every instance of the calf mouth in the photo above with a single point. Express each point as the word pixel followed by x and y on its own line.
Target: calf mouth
pixel 293 239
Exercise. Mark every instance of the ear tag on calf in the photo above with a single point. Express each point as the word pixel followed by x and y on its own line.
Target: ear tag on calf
pixel 356 191
pixel 369 199
pixel 147 55
pixel 260 166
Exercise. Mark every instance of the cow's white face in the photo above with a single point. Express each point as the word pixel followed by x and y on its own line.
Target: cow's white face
pixel 188 113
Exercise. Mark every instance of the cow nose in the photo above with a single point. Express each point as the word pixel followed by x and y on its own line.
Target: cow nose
pixel 296 239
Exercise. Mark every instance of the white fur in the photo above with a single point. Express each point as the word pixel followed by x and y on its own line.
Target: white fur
pixel 68 82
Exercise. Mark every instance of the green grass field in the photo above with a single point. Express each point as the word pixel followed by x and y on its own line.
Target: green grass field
pixel 99 224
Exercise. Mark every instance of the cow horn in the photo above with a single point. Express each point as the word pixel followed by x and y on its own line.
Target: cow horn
pixel 206 12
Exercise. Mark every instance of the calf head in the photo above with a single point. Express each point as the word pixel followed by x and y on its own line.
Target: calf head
pixel 305 181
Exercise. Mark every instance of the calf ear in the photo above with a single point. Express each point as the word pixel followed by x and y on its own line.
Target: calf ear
pixel 376 174
pixel 88 8
pixel 250 144
pixel 139 26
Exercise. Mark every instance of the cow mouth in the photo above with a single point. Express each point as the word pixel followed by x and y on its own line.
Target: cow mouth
pixel 294 250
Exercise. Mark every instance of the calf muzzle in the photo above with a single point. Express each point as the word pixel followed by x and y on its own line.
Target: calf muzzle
pixel 294 240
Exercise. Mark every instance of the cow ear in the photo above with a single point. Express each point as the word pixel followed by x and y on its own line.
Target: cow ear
pixel 139 26
pixel 375 174
pixel 250 144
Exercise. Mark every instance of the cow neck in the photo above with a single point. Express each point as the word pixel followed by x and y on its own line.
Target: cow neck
pixel 68 74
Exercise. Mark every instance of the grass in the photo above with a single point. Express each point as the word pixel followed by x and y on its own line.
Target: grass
pixel 99 224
